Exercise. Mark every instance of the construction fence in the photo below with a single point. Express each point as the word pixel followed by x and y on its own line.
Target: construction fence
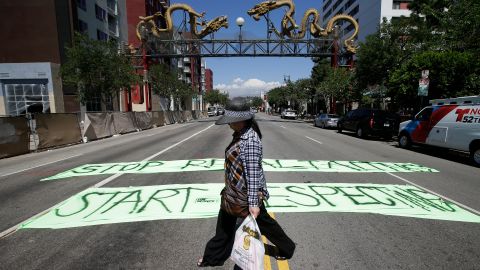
pixel 20 134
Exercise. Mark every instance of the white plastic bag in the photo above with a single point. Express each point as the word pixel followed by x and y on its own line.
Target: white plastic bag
pixel 248 250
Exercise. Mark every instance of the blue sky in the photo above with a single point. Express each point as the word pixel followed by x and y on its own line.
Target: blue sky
pixel 241 76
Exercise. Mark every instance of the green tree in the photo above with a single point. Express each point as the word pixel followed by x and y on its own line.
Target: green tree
pixel 256 102
pixel 441 36
pixel 216 97
pixel 428 23
pixel 164 82
pixel 306 90
pixel 451 74
pixel 318 75
pixel 183 90
pixel 339 84
pixel 96 69
pixel 340 81
pixel 320 70
pixel 462 26
pixel 446 24
pixel 382 53
pixel 223 99
pixel 278 97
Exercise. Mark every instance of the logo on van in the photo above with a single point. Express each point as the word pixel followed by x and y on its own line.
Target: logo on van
pixel 462 112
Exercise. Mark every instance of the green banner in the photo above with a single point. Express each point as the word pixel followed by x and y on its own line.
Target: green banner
pixel 214 164
pixel 132 204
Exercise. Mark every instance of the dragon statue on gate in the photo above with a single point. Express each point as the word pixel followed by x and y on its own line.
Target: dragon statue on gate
pixel 289 25
pixel 208 26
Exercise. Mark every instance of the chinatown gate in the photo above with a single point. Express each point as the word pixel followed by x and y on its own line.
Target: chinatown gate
pixel 195 39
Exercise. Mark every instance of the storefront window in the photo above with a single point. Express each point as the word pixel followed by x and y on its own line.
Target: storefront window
pixel 23 98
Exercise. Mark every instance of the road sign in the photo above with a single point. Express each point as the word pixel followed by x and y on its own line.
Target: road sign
pixel 423 84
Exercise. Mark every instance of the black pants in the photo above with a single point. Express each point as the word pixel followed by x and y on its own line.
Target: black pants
pixel 219 248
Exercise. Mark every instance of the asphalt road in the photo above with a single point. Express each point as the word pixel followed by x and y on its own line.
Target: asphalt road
pixel 325 240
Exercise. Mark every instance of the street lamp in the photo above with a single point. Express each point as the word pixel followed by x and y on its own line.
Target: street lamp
pixel 240 22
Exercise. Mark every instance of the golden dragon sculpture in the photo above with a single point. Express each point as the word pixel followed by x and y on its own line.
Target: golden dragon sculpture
pixel 289 24
pixel 208 27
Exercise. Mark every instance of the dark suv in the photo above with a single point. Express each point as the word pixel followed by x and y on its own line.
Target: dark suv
pixel 373 122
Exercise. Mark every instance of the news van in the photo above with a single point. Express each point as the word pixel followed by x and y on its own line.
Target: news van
pixel 450 123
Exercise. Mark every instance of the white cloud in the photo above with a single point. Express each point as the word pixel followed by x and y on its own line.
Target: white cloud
pixel 238 80
pixel 251 87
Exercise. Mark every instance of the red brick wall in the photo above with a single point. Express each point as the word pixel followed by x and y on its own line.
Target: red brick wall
pixel 208 80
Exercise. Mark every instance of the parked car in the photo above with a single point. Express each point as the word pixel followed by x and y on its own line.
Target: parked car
pixel 449 126
pixel 220 111
pixel 253 109
pixel 365 122
pixel 326 120
pixel 212 111
pixel 289 114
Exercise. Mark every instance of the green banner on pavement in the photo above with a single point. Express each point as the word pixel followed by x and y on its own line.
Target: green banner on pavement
pixel 215 164
pixel 96 206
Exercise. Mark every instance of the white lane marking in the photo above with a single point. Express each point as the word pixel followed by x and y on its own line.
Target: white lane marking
pixel 40 165
pixel 282 127
pixel 314 140
pixel 111 178
pixel 13 229
pixel 435 193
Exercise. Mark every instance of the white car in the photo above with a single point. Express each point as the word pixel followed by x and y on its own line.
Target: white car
pixel 289 114
pixel 212 111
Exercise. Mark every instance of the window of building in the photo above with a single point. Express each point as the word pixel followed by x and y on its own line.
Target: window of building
pixel 112 25
pixel 340 11
pixel 94 104
pixel 349 4
pixel 354 11
pixel 100 13
pixel 338 3
pixel 101 35
pixel 82 4
pixel 327 4
pixel 112 4
pixel 350 27
pixel 82 26
pixel 21 98
pixel 109 103
pixel 328 13
pixel 400 4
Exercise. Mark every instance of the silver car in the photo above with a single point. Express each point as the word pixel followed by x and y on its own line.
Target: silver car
pixel 326 120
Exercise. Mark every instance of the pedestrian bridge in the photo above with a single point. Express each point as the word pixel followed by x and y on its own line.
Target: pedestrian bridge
pixel 241 48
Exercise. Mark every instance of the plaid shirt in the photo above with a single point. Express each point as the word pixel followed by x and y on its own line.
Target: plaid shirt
pixel 249 165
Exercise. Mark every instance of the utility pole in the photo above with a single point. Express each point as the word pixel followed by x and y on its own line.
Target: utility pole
pixel 334 64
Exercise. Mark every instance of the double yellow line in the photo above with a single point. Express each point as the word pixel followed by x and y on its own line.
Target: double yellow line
pixel 282 265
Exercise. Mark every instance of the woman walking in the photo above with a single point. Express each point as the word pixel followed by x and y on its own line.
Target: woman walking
pixel 244 192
